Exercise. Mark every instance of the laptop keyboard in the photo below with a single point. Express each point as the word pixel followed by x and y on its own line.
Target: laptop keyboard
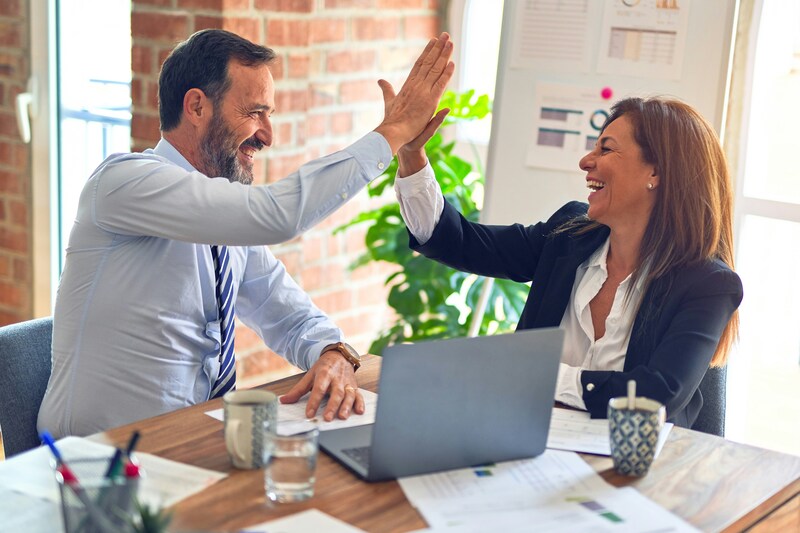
pixel 360 455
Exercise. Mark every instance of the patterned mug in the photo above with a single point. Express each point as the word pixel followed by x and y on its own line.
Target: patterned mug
pixel 247 413
pixel 634 433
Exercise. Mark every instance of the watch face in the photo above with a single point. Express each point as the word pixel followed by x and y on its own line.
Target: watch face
pixel 352 351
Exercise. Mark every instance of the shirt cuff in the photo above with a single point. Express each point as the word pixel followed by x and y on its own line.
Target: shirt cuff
pixel 568 386
pixel 421 202
pixel 373 153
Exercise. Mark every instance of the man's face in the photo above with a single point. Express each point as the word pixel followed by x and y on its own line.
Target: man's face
pixel 240 125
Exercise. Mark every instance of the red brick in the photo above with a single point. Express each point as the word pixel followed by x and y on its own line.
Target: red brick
pixel 208 5
pixel 282 133
pixel 287 32
pixel 248 28
pixel 234 5
pixel 8 124
pixel 317 126
pixel 137 93
pixel 10 35
pixel 161 3
pixel 207 22
pixel 22 270
pixel 291 101
pixel 339 4
pixel 145 128
pixel 423 27
pixel 322 94
pixel 5 261
pixel 11 65
pixel 19 213
pixel 159 26
pixel 298 66
pixel 402 4
pixel 6 153
pixel 141 59
pixel 351 61
pixel 10 182
pixel 375 29
pixel 22 156
pixel 296 6
pixel 327 30
pixel 359 91
pixel 341 123
pixel 16 241
pixel 334 301
pixel 10 8
pixel 11 317
pixel 164 52
pixel 12 295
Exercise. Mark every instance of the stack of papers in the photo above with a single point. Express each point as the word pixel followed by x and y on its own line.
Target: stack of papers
pixel 556 491
pixel 576 431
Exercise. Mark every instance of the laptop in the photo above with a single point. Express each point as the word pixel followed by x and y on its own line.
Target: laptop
pixel 455 403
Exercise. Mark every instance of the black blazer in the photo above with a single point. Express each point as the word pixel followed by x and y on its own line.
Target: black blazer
pixel 675 332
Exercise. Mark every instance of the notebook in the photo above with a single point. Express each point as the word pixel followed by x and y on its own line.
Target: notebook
pixel 455 403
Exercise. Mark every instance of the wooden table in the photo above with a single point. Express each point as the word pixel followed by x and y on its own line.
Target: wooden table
pixel 712 483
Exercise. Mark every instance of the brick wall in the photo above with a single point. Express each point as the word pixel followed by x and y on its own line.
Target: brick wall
pixel 15 174
pixel 331 52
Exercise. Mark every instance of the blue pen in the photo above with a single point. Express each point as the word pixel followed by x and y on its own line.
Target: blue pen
pixel 132 444
pixel 47 439
pixel 114 464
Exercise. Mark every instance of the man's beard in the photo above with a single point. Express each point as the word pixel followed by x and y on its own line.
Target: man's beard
pixel 220 153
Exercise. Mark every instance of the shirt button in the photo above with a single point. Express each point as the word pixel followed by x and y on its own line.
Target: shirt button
pixel 590 387
pixel 380 165
pixel 344 196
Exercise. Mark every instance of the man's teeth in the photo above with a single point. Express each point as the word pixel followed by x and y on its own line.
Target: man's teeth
pixel 595 185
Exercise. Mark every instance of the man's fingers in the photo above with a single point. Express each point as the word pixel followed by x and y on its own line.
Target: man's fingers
pixel 318 392
pixel 359 406
pixel 438 86
pixel 388 93
pixel 350 395
pixel 440 65
pixel 299 389
pixel 421 58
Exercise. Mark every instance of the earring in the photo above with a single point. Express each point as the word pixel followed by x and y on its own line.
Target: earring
pixel 650 186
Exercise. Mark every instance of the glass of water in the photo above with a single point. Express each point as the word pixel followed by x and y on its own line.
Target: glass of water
pixel 291 461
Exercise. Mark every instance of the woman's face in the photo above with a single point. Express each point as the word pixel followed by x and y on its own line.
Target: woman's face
pixel 619 178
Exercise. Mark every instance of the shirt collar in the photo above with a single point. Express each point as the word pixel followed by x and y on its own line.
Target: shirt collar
pixel 599 259
pixel 167 151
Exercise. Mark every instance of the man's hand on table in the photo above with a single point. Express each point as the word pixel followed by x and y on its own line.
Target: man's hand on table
pixel 333 375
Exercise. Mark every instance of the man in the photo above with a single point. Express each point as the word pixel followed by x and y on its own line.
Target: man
pixel 164 253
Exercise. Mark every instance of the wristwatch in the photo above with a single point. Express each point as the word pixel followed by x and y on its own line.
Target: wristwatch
pixel 347 351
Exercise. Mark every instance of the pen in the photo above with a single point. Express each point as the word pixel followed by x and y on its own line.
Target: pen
pixel 132 444
pixel 114 464
pixel 71 481
pixel 47 439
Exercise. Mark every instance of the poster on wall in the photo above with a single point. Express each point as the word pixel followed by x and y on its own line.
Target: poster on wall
pixel 566 124
pixel 644 38
pixel 552 35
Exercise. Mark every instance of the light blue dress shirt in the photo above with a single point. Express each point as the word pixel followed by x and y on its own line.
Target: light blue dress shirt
pixel 136 326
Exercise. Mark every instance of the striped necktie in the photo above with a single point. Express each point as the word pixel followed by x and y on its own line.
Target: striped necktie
pixel 226 380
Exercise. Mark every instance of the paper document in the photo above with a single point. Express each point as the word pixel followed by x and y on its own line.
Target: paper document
pixel 292 416
pixel 164 483
pixel 311 520
pixel 576 431
pixel 557 491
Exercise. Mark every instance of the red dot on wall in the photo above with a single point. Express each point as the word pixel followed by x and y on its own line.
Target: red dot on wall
pixel 606 93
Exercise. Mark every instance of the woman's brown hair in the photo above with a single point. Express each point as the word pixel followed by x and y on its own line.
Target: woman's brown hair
pixel 692 219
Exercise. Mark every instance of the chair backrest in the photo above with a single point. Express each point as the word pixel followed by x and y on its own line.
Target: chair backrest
pixel 25 364
pixel 711 418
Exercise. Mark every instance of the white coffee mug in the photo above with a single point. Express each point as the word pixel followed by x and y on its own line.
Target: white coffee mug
pixel 247 413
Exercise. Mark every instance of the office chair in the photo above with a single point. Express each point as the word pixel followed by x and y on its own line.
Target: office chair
pixel 711 418
pixel 25 364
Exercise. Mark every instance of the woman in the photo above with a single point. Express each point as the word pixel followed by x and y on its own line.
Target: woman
pixel 640 279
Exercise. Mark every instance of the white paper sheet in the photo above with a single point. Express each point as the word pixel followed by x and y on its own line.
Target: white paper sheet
pixel 557 491
pixel 292 416
pixel 304 522
pixel 164 483
pixel 552 36
pixel 576 431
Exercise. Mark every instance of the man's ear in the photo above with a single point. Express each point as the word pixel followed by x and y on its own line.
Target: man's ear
pixel 196 106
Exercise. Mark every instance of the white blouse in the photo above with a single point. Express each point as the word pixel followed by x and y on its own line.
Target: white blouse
pixel 421 205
